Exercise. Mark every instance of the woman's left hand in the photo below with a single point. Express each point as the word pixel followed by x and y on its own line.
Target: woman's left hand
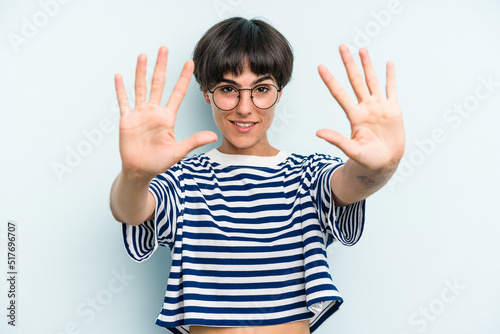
pixel 377 134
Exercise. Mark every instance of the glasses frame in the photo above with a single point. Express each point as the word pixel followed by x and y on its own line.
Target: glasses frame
pixel 251 96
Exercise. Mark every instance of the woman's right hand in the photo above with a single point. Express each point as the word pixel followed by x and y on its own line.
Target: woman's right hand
pixel 147 142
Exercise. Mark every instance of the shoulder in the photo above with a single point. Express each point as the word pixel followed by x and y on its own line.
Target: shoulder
pixel 312 165
pixel 194 165
pixel 197 161
pixel 313 159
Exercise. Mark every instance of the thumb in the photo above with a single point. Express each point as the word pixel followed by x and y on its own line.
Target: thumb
pixel 333 137
pixel 198 139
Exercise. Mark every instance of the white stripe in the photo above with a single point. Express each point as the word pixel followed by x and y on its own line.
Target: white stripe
pixel 285 276
pixel 238 255
pixel 242 268
pixel 213 230
pixel 235 292
pixel 238 243
pixel 249 304
pixel 245 316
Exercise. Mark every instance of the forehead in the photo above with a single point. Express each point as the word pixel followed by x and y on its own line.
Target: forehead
pixel 247 78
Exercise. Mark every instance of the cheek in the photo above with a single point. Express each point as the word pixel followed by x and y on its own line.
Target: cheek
pixel 269 117
pixel 218 117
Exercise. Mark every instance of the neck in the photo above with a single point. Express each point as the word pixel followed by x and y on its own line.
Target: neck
pixel 263 149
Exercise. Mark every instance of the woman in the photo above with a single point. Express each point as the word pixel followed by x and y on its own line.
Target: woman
pixel 248 224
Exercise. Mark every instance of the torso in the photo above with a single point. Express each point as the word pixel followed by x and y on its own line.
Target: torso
pixel 298 327
pixel 261 270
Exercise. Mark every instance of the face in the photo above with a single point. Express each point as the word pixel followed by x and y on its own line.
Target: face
pixel 244 128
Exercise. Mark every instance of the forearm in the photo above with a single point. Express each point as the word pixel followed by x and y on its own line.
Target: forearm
pixel 130 200
pixel 353 182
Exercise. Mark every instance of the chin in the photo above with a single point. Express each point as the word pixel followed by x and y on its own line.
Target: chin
pixel 242 144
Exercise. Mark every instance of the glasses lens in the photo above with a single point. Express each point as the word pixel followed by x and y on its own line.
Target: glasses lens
pixel 226 97
pixel 264 96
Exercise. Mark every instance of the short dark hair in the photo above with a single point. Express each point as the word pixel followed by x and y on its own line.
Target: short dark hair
pixel 235 42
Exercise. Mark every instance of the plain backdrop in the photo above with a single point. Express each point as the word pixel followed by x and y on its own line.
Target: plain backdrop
pixel 428 259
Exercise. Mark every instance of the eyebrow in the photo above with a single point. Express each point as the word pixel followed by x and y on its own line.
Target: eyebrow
pixel 232 82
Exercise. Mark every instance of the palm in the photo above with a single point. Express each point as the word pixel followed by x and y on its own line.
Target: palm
pixel 147 141
pixel 377 134
pixel 143 134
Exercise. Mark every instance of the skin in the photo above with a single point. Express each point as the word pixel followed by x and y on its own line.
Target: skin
pixel 147 141
pixel 377 134
pixel 148 145
pixel 251 141
pixel 298 327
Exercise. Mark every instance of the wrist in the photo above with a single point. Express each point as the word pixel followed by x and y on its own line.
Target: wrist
pixel 136 177
pixel 129 198
pixel 375 169
pixel 384 171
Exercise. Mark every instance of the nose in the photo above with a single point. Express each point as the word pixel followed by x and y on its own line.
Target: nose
pixel 245 106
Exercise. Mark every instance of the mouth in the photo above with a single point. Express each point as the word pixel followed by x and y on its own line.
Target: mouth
pixel 243 126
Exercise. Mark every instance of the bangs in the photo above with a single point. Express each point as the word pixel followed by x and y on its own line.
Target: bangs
pixel 242 43
pixel 247 47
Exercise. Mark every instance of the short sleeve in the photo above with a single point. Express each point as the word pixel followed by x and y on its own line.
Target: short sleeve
pixel 142 240
pixel 342 223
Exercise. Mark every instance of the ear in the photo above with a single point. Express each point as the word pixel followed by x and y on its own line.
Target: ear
pixel 207 97
pixel 279 95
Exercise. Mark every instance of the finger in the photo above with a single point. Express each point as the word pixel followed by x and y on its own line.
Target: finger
pixel 370 75
pixel 390 86
pixel 181 87
pixel 336 89
pixel 158 81
pixel 355 77
pixel 347 146
pixel 121 95
pixel 196 140
pixel 140 80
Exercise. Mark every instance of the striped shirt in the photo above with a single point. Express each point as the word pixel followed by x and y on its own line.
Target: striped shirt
pixel 248 237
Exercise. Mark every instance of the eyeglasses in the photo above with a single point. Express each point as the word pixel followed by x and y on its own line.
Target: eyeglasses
pixel 228 97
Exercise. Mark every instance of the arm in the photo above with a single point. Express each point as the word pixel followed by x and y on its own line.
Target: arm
pixel 353 182
pixel 130 200
pixel 377 135
pixel 147 143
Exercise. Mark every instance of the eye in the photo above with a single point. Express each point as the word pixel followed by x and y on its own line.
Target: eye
pixel 227 90
pixel 262 89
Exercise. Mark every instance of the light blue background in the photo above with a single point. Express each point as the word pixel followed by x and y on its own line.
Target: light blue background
pixel 434 226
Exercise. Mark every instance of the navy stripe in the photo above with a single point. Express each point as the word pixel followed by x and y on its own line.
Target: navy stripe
pixel 248 198
pixel 242 262
pixel 237 273
pixel 240 249
pixel 236 286
pixel 237 310
pixel 234 298
pixel 212 236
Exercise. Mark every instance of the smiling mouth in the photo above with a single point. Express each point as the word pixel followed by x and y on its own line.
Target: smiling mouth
pixel 243 125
